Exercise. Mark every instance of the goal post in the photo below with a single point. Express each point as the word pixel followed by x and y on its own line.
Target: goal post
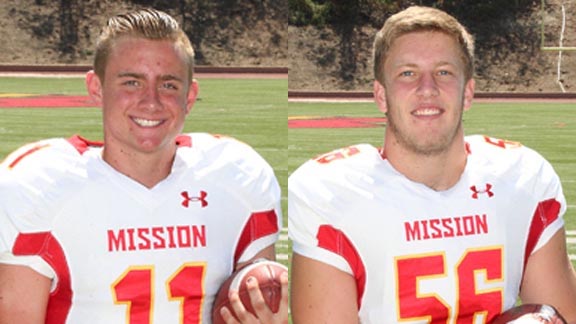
pixel 563 30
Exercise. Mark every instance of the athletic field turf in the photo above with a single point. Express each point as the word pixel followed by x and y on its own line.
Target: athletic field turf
pixel 549 128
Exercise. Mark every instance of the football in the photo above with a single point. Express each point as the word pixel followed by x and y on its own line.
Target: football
pixel 530 313
pixel 268 275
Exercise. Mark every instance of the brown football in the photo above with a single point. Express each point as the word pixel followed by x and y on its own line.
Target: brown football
pixel 268 275
pixel 530 313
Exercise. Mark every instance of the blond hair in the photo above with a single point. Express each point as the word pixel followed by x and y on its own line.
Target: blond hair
pixel 417 19
pixel 145 23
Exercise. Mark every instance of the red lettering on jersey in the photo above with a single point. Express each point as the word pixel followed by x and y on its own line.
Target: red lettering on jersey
pixel 44 245
pixel 143 238
pixel 184 236
pixel 82 145
pixel 475 266
pixel 411 271
pixel 424 227
pixel 412 231
pixel 446 227
pixel 458 226
pixel 199 235
pixel 259 225
pixel 338 155
pixel 436 232
pixel 79 143
pixel 479 265
pixel 545 214
pixel 131 246
pixel 171 242
pixel 336 241
pixel 502 143
pixel 25 154
pixel 469 226
pixel 116 242
pixel 156 238
pixel 159 242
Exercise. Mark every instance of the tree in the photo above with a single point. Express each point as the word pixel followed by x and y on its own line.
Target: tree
pixel 69 14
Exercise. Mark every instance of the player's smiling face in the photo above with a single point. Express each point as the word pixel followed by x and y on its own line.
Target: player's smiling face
pixel 425 91
pixel 146 95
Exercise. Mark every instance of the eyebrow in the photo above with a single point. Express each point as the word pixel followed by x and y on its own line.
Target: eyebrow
pixel 410 65
pixel 170 77
pixel 130 75
pixel 141 76
pixel 446 63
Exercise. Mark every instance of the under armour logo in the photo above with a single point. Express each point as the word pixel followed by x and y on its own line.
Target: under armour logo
pixel 477 191
pixel 201 198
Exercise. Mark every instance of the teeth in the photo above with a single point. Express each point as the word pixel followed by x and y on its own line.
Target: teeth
pixel 426 112
pixel 146 122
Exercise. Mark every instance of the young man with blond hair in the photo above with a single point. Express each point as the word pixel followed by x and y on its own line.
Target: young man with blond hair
pixel 434 227
pixel 145 227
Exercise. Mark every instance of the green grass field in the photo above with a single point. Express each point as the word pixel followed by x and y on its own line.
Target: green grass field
pixel 549 128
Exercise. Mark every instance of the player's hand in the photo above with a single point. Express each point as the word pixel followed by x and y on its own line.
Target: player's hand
pixel 535 319
pixel 263 313
pixel 530 314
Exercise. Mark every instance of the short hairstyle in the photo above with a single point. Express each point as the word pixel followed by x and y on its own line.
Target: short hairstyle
pixel 417 19
pixel 145 23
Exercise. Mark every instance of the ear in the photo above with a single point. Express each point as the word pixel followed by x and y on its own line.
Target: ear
pixel 380 96
pixel 94 87
pixel 192 95
pixel 469 93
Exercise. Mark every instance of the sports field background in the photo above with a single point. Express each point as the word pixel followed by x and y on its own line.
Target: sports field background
pixel 256 111
pixel 549 128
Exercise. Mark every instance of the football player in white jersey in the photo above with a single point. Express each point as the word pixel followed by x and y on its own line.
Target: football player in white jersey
pixel 145 228
pixel 435 227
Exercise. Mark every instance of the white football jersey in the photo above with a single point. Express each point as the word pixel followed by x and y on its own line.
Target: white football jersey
pixel 425 256
pixel 119 252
